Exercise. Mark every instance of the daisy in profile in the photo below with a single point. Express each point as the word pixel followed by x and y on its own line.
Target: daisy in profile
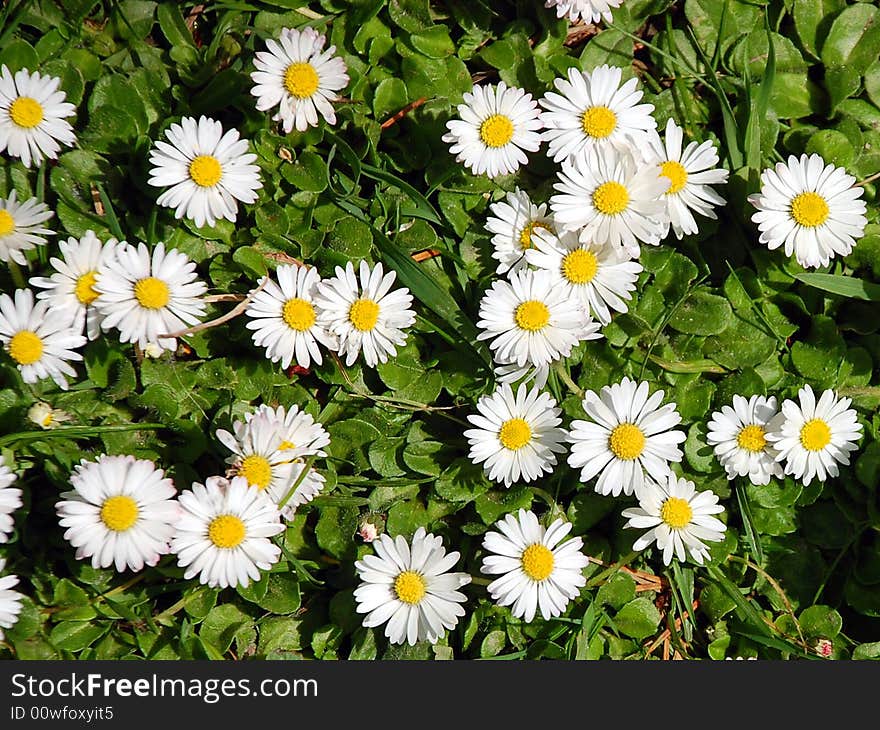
pixel 516 436
pixel 47 417
pixel 497 126
pixel 738 435
pixel 21 227
pixel 513 222
pixel 298 76
pixel 610 197
pixel 41 344
pixel 10 500
pixel 121 512
pixel 297 431
pixel 600 276
pixel 71 288
pixel 284 319
pixel 629 435
pixel 205 171
pixel 691 173
pixel 407 586
pixel 510 372
pixel 10 600
pixel 147 295
pixel 812 209
pixel 538 571
pixel 813 438
pixel 32 116
pixel 223 534
pixel 592 110
pixel 363 313
pixel 679 517
pixel 530 320
pixel 590 11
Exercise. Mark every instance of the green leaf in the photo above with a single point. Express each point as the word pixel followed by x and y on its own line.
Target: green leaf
pixel 702 313
pixel 411 15
pixel 434 42
pixel 19 54
pixel 853 39
pixel 845 286
pixel 639 619
pixel 76 635
pixel 335 530
pixel 173 26
pixel 308 172
pixel 820 622
pixel 812 19
pixel 221 626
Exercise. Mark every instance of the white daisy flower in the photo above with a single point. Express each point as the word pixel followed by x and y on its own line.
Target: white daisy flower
pixel 690 172
pixel 627 436
pixel 537 569
pixel 32 116
pixel 71 289
pixel 600 276
pixel 10 500
pixel 516 437
pixel 529 319
pixel 739 437
pixel 814 437
pixel 510 372
pixel 497 126
pixel 610 197
pixel 40 345
pixel 10 601
pixel 20 227
pixel 297 431
pixel 284 318
pixel 590 11
pixel 47 417
pixel 298 76
pixel 363 313
pixel 146 295
pixel 680 519
pixel 593 111
pixel 122 512
pixel 207 171
pixel 513 221
pixel 812 209
pixel 223 534
pixel 407 585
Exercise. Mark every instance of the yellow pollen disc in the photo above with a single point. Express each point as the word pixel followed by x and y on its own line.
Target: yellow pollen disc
pixel 580 266
pixel 514 434
pixel 752 438
pixel 537 561
pixel 25 347
pixel 815 435
pixel 598 121
pixel 677 175
pixel 532 315
pixel 409 587
pixel 496 131
pixel 152 293
pixel 809 209
pixel 611 198
pixel 627 441
pixel 257 470
pixel 85 288
pixel 676 513
pixel 7 223
pixel 226 531
pixel 205 171
pixel 119 513
pixel 363 314
pixel 298 314
pixel 285 445
pixel 26 112
pixel 525 238
pixel 301 80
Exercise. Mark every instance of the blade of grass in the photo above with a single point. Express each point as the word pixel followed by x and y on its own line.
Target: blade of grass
pixel 745 511
pixel 845 286
pixel 110 214
pixel 758 107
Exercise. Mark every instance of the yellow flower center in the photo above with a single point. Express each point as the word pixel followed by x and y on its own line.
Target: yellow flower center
pixel 525 238
pixel 752 438
pixel 298 314
pixel 7 223
pixel 26 112
pixel 611 198
pixel 152 293
pixel 205 171
pixel 598 121
pixel 409 587
pixel 809 209
pixel 496 131
pixel 257 470
pixel 363 314
pixel 226 531
pixel 537 561
pixel 285 445
pixel 301 80
pixel 514 434
pixel 25 347
pixel 676 513
pixel 119 513
pixel 580 266
pixel 815 435
pixel 677 175
pixel 85 288
pixel 627 441
pixel 532 315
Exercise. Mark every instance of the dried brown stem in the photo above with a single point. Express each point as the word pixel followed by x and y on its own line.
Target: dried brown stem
pixel 231 314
